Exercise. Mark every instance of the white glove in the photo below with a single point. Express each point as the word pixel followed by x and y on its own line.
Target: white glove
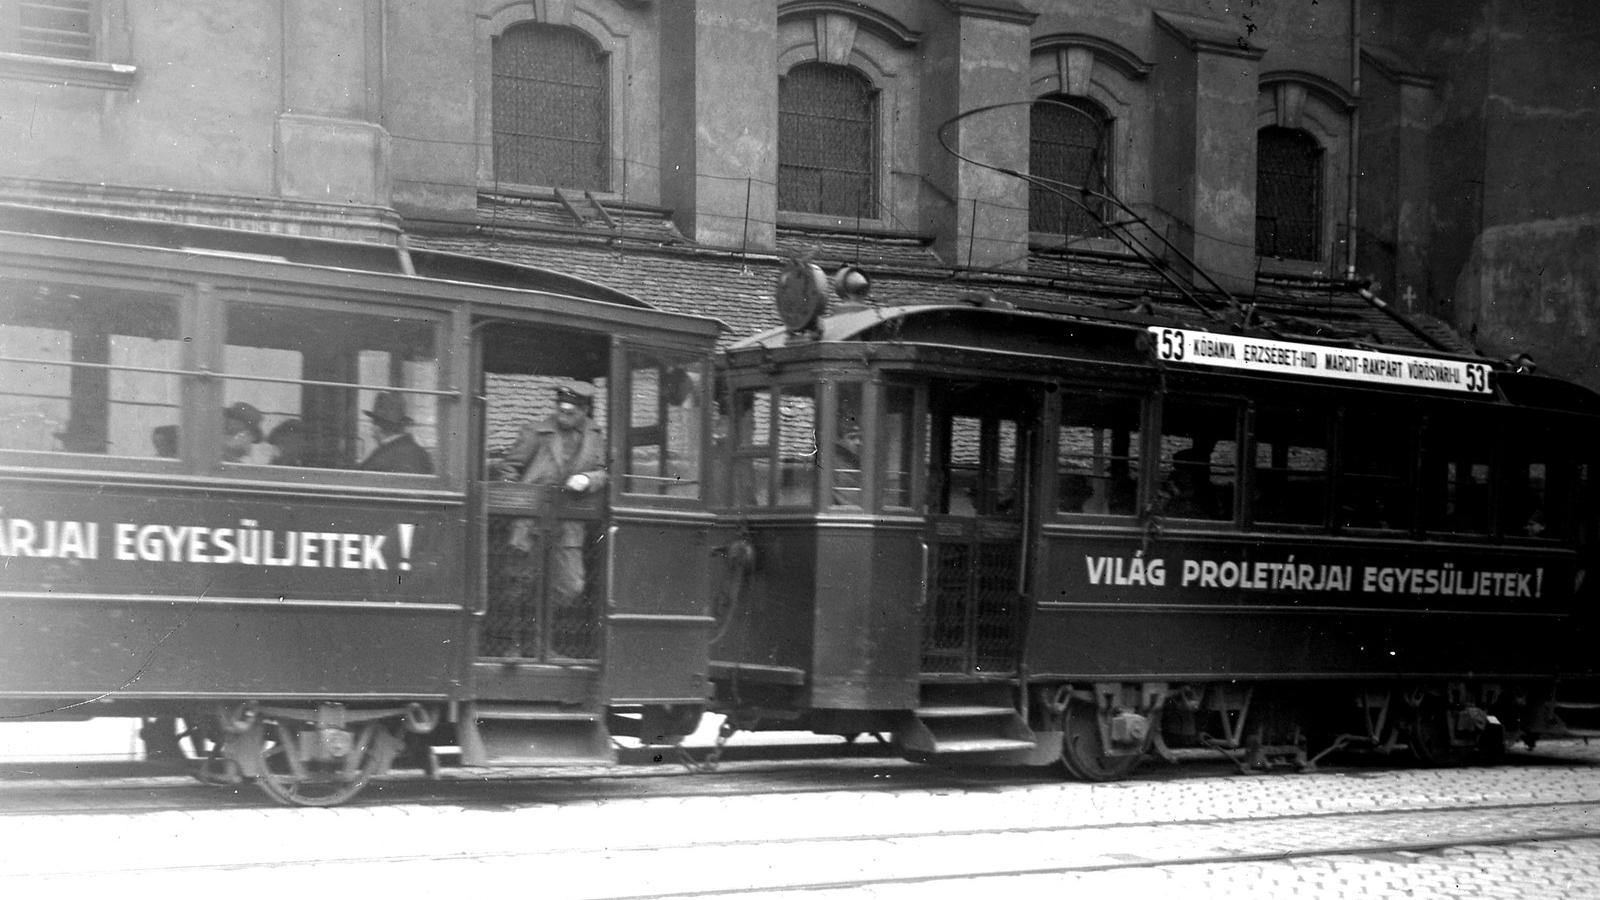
pixel 578 483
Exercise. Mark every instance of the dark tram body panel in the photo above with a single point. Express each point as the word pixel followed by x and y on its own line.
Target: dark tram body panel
pixel 659 623
pixel 866 650
pixel 830 619
pixel 131 591
pixel 1198 607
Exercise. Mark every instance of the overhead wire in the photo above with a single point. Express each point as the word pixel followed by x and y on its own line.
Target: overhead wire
pixel 1120 229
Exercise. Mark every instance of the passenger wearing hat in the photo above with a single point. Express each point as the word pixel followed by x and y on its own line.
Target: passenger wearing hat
pixel 241 432
pixel 288 440
pixel 567 449
pixel 397 450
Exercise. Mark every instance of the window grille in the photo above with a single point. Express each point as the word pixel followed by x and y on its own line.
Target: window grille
pixel 56 28
pixel 827 142
pixel 1288 194
pixel 1068 146
pixel 551 109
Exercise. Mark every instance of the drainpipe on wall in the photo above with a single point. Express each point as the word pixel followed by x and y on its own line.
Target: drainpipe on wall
pixel 1355 140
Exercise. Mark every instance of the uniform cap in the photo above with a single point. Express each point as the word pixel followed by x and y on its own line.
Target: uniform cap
pixel 580 395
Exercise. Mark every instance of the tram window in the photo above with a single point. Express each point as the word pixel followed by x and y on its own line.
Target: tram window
pixel 1004 487
pixel 1583 526
pixel 895 433
pixel 847 447
pixel 1455 476
pixel 1199 460
pixel 797 445
pixel 962 470
pixel 1527 506
pixel 1374 469
pixel 359 388
pixel 752 427
pixel 1291 466
pixel 975 465
pixel 1097 455
pixel 663 440
pixel 88 370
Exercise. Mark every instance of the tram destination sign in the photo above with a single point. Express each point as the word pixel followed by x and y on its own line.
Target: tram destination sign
pixel 1231 351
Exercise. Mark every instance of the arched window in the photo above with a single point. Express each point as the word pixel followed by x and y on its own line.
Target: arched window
pixel 827 142
pixel 551 109
pixel 1068 146
pixel 1288 194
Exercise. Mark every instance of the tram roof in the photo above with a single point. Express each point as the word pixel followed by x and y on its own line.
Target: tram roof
pixel 223 252
pixel 969 322
pixel 364 256
pixel 1000 328
pixel 918 323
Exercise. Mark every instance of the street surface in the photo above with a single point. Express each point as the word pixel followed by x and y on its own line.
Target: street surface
pixel 853 828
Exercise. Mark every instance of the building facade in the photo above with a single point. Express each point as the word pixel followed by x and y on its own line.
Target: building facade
pixel 1047 150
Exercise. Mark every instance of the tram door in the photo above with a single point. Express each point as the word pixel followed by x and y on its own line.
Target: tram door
pixel 981 448
pixel 542 418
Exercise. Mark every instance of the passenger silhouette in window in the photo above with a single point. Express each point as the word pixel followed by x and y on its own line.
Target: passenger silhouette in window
pixel 1188 492
pixel 397 450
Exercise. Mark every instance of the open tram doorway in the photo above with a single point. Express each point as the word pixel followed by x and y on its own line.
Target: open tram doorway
pixel 542 418
pixel 981 451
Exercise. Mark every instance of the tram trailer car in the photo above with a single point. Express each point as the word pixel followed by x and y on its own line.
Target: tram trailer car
pixel 304 616
pixel 1009 537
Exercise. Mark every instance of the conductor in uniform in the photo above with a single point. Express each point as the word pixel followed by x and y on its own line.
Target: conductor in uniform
pixel 565 449
pixel 397 450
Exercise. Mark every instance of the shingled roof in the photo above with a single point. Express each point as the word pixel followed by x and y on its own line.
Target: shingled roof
pixel 639 253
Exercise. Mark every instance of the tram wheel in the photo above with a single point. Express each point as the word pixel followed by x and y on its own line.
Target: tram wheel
pixel 292 776
pixel 1428 733
pixel 1081 753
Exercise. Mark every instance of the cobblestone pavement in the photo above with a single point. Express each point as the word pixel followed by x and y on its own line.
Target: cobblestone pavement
pixel 1527 829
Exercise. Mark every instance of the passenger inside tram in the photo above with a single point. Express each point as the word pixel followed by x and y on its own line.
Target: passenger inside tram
pixel 164 440
pixel 1187 491
pixel 241 433
pixel 396 450
pixel 288 440
pixel 1078 494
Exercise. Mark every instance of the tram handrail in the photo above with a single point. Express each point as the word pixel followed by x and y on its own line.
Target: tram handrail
pixel 208 373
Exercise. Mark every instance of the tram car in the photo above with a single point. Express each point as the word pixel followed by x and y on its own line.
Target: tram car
pixel 1022 537
pixel 269 499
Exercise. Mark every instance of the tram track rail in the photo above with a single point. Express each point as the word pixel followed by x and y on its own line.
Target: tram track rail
pixel 858 858
pixel 134 787
pixel 814 887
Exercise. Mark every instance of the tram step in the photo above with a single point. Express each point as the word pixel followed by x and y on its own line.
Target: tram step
pixel 1576 717
pixel 964 712
pixel 953 732
pixel 532 714
pixel 502 734
pixel 983 745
